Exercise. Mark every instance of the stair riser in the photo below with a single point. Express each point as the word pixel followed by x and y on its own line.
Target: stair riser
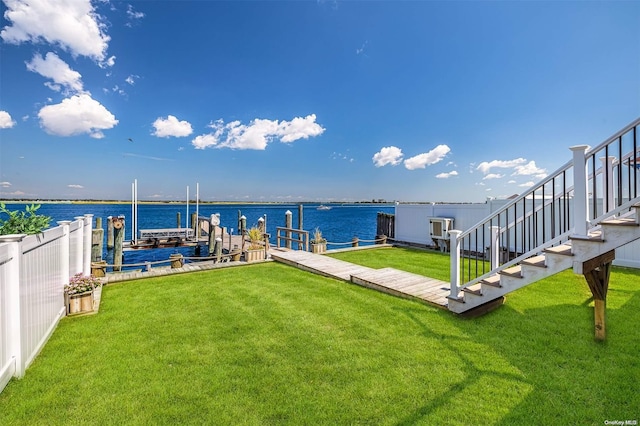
pixel 558 262
pixel 614 237
pixel 583 250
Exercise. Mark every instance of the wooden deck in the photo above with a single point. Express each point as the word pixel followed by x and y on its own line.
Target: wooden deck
pixel 388 280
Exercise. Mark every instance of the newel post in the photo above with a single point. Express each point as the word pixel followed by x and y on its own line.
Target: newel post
pixel 454 263
pixel 580 197
pixel 495 247
pixel 11 303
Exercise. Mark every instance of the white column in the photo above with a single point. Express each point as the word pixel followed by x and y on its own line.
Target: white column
pixel 580 195
pixel 454 257
pixel 608 203
pixel 495 247
pixel 12 302
pixel 86 241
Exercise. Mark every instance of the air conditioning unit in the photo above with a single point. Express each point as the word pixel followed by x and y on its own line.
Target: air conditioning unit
pixel 439 231
pixel 439 227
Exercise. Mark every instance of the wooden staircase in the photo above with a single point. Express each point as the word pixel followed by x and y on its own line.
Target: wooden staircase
pixel 574 218
pixel 609 235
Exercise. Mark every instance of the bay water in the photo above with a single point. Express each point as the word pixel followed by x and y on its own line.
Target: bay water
pixel 338 225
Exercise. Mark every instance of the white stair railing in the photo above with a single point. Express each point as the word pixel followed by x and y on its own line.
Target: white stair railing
pixel 596 184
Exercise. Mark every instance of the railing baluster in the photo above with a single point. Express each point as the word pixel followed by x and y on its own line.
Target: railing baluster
pixel 619 203
pixel 635 164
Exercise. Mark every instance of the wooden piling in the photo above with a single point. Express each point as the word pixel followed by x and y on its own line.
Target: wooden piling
pixel 178 220
pixel 110 233
pixel 300 223
pixel 177 260
pixel 97 238
pixel 288 223
pixel 99 269
pixel 218 249
pixel 118 231
pixel 194 224
pixel 354 242
pixel 213 221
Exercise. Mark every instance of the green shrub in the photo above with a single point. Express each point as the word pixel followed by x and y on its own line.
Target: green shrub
pixel 23 222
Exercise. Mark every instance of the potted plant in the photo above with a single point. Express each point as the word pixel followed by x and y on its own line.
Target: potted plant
pixel 318 242
pixel 256 250
pixel 79 293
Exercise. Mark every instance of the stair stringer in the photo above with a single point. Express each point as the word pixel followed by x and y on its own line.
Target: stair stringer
pixel 609 235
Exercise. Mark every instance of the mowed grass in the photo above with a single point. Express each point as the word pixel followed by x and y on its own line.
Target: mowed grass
pixel 269 344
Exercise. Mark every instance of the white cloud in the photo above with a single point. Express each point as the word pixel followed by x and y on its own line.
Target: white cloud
pixel 447 175
pixel 512 181
pixel 132 14
pixel 493 176
pixel 485 166
pixel 170 126
pixel 527 184
pixel 73 25
pixel 131 79
pixel 204 141
pixel 5 184
pixel 6 122
pixel 51 66
pixel 111 61
pixel 299 128
pixel 76 115
pixel 388 155
pixel 427 159
pixel 530 169
pixel 75 186
pixel 258 133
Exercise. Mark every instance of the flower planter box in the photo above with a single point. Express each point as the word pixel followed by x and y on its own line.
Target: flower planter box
pixel 80 303
pixel 318 248
pixel 254 255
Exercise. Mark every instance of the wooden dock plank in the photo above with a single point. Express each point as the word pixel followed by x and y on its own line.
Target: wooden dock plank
pixel 388 280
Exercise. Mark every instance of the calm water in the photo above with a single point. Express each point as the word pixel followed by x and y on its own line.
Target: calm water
pixel 339 225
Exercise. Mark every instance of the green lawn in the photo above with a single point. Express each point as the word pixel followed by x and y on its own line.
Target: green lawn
pixel 269 344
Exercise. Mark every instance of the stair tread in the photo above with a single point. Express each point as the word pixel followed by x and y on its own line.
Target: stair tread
pixel 539 261
pixel 514 271
pixel 623 221
pixel 595 236
pixel 563 249
pixel 474 289
pixel 493 281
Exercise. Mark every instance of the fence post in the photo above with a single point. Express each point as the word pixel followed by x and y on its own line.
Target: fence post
pixel 78 261
pixel 12 302
pixel 66 252
pixel 355 242
pixel 87 240
pixel 454 256
pixel 580 195
pixel 495 247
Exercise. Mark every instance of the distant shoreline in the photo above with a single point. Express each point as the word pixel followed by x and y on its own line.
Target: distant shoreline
pixel 7 201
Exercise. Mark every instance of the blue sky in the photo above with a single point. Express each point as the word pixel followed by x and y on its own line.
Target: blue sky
pixel 307 101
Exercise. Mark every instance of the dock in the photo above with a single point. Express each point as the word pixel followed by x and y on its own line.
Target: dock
pixel 387 280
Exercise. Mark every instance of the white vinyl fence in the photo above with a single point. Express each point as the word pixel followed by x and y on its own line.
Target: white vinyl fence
pixel 33 272
pixel 412 225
